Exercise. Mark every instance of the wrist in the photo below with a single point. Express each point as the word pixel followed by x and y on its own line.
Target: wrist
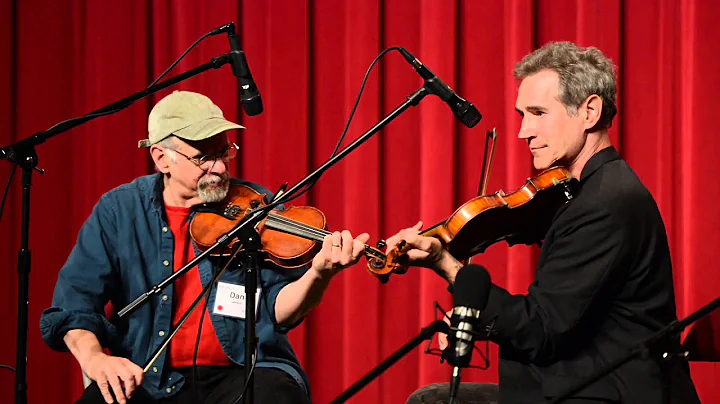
pixel 320 276
pixel 448 267
pixel 87 358
pixel 83 344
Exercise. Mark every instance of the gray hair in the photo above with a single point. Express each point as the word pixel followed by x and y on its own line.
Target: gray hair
pixel 582 71
pixel 169 144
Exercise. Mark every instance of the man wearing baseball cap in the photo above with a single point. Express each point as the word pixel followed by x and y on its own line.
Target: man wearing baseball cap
pixel 136 236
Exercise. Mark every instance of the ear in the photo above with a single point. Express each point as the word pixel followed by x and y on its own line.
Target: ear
pixel 161 158
pixel 593 108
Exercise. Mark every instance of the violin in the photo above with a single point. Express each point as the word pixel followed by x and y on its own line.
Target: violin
pixel 290 238
pixel 520 217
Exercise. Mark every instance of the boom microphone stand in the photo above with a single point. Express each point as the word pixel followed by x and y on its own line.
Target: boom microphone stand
pixel 655 346
pixel 251 241
pixel 23 153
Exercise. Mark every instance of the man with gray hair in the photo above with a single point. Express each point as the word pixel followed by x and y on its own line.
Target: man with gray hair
pixel 603 281
pixel 138 235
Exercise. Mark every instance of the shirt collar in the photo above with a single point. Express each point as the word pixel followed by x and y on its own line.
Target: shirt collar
pixel 600 158
pixel 155 193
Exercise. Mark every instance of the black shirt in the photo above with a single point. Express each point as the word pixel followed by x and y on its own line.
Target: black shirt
pixel 603 284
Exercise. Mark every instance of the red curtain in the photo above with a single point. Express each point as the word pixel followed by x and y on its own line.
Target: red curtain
pixel 64 58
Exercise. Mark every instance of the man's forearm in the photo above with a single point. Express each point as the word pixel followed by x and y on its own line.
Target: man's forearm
pixel 82 344
pixel 448 268
pixel 297 299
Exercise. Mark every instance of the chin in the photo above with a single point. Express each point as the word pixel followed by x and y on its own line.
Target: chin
pixel 541 164
pixel 212 193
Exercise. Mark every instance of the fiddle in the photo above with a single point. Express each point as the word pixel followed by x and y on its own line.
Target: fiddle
pixel 290 238
pixel 520 217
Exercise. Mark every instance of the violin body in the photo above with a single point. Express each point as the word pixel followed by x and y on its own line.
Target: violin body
pixel 281 248
pixel 521 217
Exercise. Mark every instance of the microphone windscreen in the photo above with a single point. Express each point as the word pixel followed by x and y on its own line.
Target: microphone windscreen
pixel 472 287
pixel 253 105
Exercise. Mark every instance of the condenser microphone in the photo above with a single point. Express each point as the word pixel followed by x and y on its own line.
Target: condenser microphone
pixel 249 94
pixel 470 296
pixel 463 110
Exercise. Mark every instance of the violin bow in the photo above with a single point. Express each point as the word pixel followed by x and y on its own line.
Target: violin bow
pixel 485 172
pixel 280 191
pixel 485 175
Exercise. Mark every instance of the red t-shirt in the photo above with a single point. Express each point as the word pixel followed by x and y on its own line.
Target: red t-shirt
pixel 187 288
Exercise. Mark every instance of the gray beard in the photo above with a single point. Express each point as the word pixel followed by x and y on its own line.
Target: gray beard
pixel 208 193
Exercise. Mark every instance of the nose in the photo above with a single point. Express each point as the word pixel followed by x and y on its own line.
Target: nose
pixel 527 130
pixel 218 167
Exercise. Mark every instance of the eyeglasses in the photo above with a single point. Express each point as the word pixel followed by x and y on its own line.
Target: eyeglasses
pixel 226 155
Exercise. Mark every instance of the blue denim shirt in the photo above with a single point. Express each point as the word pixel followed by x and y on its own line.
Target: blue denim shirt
pixel 124 248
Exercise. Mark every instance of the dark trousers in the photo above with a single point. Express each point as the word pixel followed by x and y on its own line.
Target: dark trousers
pixel 219 385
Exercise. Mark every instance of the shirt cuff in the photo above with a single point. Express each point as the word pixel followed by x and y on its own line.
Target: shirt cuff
pixel 56 322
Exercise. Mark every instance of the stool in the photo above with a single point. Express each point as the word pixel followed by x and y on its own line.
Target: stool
pixel 468 393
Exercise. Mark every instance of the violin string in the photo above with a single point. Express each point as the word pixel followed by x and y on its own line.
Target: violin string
pixel 309 235
pixel 307 229
pixel 297 232
pixel 301 229
pixel 294 227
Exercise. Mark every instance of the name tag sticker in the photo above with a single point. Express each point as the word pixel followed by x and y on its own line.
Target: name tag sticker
pixel 230 300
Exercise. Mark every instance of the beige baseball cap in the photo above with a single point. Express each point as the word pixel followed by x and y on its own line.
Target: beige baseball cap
pixel 187 115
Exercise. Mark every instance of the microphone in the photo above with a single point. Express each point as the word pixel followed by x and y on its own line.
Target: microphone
pixel 227 28
pixel 471 293
pixel 249 94
pixel 463 110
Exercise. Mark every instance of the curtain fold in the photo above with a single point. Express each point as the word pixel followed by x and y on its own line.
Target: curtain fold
pixel 64 58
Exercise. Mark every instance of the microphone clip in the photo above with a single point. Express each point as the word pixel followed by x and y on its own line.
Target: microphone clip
pixel 481 335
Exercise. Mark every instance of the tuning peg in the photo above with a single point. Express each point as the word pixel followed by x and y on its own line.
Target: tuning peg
pixel 381 244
